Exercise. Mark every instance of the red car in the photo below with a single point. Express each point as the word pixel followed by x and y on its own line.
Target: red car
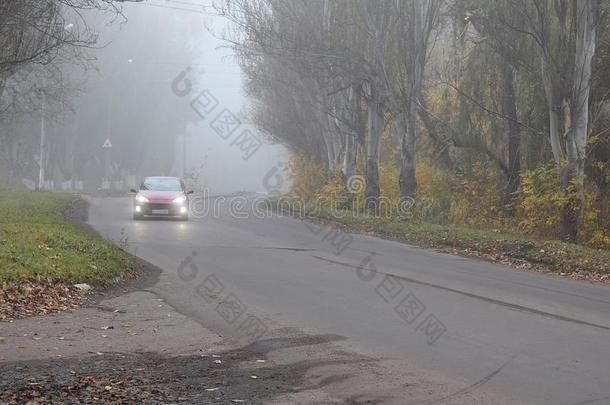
pixel 161 197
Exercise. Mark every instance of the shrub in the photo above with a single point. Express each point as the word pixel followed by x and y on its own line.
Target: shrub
pixel 308 177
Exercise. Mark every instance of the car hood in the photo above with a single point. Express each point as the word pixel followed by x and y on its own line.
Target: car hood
pixel 160 195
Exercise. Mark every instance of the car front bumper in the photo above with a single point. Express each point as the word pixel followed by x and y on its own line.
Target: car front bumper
pixel 161 210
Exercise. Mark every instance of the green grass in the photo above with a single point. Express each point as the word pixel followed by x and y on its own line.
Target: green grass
pixel 491 244
pixel 38 243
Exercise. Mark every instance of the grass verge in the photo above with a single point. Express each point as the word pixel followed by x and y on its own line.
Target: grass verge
pixel 43 254
pixel 516 250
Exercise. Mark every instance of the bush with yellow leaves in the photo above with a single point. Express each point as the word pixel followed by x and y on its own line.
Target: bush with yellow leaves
pixel 470 199
pixel 308 177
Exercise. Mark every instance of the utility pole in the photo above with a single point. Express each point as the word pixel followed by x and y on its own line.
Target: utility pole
pixel 42 160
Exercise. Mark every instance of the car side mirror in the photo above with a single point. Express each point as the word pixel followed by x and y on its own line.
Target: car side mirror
pixel 133 190
pixel 190 192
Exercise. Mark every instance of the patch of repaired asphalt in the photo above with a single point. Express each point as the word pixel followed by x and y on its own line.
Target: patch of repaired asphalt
pixel 96 356
pixel 135 348
pixel 148 377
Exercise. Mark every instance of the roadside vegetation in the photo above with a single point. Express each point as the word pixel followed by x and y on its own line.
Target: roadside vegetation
pixel 43 254
pixel 458 215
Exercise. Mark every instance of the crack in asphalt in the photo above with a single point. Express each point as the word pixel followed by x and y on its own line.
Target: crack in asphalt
pixel 292 249
pixel 591 401
pixel 476 296
pixel 472 386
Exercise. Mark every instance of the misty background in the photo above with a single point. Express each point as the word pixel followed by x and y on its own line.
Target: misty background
pixel 120 89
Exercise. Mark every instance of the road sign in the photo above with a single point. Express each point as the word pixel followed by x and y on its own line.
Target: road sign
pixel 107 144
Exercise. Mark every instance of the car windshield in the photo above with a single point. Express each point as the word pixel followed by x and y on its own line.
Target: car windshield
pixel 161 184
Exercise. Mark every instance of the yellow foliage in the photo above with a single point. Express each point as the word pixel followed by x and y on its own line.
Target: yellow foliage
pixel 480 197
pixel 459 199
pixel 334 194
pixel 540 201
pixel 388 182
pixel 308 177
pixel 436 187
pixel 599 239
pixel 470 199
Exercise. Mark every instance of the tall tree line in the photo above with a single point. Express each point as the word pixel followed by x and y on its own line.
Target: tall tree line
pixel 517 82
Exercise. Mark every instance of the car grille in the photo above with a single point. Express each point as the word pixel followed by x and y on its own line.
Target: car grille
pixel 158 206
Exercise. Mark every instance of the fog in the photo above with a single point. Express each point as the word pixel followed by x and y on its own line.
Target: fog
pixel 127 88
pixel 383 201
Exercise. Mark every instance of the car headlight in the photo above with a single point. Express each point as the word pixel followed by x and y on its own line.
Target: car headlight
pixel 141 199
pixel 180 200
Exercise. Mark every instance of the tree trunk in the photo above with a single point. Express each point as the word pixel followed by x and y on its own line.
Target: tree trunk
pixel 375 126
pixel 604 202
pixel 572 110
pixel 377 16
pixel 408 124
pixel 553 106
pixel 349 157
pixel 513 180
pixel 415 32
pixel 352 138
pixel 330 153
pixel 576 119
pixel 407 180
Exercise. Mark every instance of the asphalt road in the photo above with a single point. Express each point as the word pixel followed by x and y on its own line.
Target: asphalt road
pixel 525 337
